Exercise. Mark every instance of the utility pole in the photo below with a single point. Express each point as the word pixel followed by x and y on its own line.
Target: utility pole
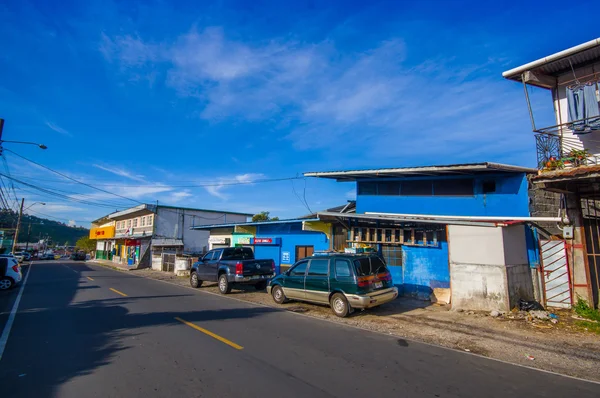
pixel 28 236
pixel 18 226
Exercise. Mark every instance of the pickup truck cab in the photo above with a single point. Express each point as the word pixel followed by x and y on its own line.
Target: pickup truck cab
pixel 343 281
pixel 232 266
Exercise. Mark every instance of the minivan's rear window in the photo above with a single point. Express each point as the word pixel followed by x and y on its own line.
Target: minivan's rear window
pixel 369 266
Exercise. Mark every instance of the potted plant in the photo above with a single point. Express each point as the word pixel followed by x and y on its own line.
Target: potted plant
pixel 579 156
pixel 553 163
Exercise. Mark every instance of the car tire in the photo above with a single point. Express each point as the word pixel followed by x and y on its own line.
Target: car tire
pixel 339 305
pixel 261 285
pixel 194 281
pixel 6 283
pixel 224 285
pixel 278 295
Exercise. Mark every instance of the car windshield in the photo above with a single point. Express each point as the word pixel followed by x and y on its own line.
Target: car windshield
pixel 369 266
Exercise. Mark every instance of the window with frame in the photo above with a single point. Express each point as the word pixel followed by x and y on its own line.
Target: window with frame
pixel 342 269
pixel 299 269
pixel 149 220
pixel 143 222
pixel 128 223
pixel 367 188
pixel 389 188
pixel 417 188
pixel 451 187
pixel 318 267
pixel 135 223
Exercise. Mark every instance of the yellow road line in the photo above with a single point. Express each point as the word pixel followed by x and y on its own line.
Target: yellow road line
pixel 118 292
pixel 211 334
pixel 89 278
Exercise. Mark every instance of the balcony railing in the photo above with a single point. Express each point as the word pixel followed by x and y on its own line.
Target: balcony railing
pixel 556 152
pixel 577 127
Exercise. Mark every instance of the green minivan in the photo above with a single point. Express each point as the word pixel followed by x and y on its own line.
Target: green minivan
pixel 344 281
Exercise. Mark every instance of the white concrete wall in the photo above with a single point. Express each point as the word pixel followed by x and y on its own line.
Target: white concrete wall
pixel 475 245
pixel 157 262
pixel 176 223
pixel 489 268
pixel 478 287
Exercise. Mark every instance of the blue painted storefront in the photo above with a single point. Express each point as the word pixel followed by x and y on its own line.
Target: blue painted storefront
pixel 291 235
pixel 509 199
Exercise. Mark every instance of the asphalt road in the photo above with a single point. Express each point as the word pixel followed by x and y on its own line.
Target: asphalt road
pixel 75 337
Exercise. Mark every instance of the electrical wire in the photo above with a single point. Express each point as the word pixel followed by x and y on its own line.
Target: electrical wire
pixel 72 179
pixel 198 185
pixel 11 184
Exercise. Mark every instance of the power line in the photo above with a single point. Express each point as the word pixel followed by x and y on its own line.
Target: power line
pixel 200 185
pixel 72 179
pixel 61 195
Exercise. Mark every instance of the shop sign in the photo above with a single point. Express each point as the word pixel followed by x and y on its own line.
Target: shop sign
pixel 243 241
pixel 102 233
pixel 132 242
pixel 263 241
pixel 219 240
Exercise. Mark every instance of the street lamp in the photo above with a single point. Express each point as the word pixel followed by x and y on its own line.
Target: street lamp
pixel 19 221
pixel 41 146
pixel 33 204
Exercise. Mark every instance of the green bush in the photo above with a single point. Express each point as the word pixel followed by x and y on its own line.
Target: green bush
pixel 583 309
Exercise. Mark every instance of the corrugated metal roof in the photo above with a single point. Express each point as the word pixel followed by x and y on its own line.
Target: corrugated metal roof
pixel 576 172
pixel 409 220
pixel 230 225
pixel 558 63
pixel 453 169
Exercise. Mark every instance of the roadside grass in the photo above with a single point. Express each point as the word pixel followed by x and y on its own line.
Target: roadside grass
pixel 593 327
pixel 583 309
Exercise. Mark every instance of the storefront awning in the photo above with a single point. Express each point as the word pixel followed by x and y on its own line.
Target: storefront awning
pixel 167 242
pixel 412 219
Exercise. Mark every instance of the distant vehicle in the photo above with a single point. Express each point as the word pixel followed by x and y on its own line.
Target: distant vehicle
pixel 10 272
pixel 22 256
pixel 80 256
pixel 232 266
pixel 343 281
pixel 47 256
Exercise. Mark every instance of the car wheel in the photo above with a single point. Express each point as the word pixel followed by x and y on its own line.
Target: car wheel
pixel 194 281
pixel 278 295
pixel 261 285
pixel 224 285
pixel 6 283
pixel 339 305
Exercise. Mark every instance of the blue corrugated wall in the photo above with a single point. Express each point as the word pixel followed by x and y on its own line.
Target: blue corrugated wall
pixel 291 236
pixel 510 199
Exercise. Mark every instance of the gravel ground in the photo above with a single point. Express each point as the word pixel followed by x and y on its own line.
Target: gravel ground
pixel 562 347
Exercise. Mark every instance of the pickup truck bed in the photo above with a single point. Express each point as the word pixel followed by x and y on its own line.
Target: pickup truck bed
pixel 232 266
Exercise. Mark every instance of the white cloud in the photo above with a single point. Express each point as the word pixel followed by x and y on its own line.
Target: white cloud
pixel 220 184
pixel 377 98
pixel 120 172
pixel 72 223
pixel 58 129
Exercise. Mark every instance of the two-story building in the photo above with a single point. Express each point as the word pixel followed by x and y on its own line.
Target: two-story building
pixel 453 233
pixel 568 153
pixel 141 236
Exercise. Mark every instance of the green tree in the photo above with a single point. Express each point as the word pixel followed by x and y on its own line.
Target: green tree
pixel 67 243
pixel 86 244
pixel 263 216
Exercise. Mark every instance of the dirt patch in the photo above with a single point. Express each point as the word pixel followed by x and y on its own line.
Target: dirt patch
pixel 564 346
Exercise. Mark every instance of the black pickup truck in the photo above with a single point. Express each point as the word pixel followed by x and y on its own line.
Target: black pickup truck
pixel 232 266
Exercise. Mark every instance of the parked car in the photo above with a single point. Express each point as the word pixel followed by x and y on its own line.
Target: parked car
pixel 79 256
pixel 232 266
pixel 47 256
pixel 10 272
pixel 344 281
pixel 22 256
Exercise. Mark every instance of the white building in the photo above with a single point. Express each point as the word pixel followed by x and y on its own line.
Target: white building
pixel 142 235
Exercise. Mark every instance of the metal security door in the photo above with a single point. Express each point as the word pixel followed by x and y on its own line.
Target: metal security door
pixel 555 271
pixel 168 263
pixel 590 210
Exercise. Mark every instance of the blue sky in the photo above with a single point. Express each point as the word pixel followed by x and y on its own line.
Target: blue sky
pixel 148 99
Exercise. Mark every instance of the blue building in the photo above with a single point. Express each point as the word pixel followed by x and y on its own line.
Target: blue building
pixel 437 227
pixel 404 213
